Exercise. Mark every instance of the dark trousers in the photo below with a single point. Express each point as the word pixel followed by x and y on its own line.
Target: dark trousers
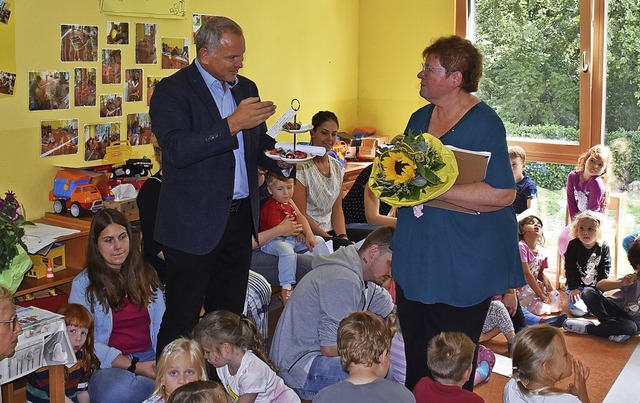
pixel 421 322
pixel 217 280
pixel 614 320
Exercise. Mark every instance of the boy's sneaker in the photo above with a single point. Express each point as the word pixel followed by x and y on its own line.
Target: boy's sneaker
pixel 619 338
pixel 555 321
pixel 577 325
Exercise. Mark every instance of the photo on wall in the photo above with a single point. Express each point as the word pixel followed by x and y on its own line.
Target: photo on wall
pixel 7 82
pixel 139 129
pixel 110 105
pixel 98 137
pixel 59 137
pixel 48 90
pixel 146 43
pixel 175 53
pixel 198 20
pixel 117 33
pixel 111 66
pixel 5 12
pixel 78 43
pixel 151 85
pixel 84 86
pixel 133 85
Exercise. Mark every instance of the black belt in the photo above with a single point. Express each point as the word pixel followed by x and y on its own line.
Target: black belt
pixel 236 204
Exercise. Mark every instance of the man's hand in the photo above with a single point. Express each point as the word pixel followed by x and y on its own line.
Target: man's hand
pixel 250 113
pixel 289 227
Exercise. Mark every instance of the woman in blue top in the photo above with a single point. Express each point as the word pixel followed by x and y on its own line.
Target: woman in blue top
pixel 123 294
pixel 448 264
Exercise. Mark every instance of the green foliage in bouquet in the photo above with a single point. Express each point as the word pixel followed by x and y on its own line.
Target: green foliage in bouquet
pixel 407 166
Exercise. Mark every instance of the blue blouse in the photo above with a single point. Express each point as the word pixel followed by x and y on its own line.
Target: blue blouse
pixel 456 258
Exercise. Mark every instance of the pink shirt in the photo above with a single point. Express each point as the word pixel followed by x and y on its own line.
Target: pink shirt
pixel 131 329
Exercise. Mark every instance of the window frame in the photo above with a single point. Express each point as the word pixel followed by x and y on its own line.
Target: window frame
pixel 591 121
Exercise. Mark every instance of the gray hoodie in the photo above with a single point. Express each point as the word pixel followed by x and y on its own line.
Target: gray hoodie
pixel 327 294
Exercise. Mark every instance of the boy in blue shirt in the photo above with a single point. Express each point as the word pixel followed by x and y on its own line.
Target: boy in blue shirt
pixel 526 202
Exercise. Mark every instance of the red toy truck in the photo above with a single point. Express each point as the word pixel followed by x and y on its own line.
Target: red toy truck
pixel 74 189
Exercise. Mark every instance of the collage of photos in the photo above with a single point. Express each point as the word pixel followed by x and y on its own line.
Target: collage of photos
pixel 48 90
pixel 98 137
pixel 59 137
pixel 78 43
pixel 175 53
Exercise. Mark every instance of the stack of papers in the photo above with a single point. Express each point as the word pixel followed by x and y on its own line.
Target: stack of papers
pixel 39 238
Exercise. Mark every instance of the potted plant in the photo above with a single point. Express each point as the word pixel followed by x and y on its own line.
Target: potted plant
pixel 14 259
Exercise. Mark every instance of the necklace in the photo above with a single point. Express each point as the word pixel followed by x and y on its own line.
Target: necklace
pixel 324 171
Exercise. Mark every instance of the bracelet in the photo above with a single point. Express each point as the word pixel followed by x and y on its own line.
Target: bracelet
pixel 132 367
pixel 341 236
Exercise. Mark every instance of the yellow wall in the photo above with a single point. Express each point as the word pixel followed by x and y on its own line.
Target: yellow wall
pixel 358 58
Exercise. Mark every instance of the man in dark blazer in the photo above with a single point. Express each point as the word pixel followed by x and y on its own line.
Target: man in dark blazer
pixel 210 124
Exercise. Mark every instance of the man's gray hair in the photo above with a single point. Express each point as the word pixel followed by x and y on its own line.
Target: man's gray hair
pixel 210 33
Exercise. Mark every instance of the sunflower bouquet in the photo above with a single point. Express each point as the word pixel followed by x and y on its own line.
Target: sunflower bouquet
pixel 412 170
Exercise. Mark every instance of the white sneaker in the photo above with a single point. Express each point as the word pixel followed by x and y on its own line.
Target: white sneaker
pixel 619 338
pixel 577 325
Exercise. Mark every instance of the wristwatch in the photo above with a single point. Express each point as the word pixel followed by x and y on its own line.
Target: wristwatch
pixel 132 367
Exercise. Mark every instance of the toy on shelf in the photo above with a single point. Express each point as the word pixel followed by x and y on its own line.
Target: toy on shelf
pixel 75 190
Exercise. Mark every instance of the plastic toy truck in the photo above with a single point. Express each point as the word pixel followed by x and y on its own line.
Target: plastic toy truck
pixel 125 162
pixel 74 190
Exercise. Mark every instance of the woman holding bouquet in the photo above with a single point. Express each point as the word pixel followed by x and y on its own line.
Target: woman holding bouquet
pixel 448 264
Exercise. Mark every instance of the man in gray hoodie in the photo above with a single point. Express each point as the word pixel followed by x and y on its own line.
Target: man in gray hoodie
pixel 305 342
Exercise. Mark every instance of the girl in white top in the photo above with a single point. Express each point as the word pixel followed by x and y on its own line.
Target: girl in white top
pixel 540 360
pixel 319 182
pixel 233 345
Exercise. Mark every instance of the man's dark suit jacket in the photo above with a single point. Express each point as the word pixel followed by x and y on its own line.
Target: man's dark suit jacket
pixel 198 162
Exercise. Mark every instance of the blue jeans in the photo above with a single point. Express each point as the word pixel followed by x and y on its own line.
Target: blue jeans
pixel 119 385
pixel 324 371
pixel 530 318
pixel 285 249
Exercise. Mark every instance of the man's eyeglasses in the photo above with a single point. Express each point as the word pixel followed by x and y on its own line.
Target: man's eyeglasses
pixel 13 322
pixel 428 70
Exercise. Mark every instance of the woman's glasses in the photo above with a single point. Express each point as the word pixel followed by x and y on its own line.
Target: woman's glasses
pixel 13 322
pixel 428 70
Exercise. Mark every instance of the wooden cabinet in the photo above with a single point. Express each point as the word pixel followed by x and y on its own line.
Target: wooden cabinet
pixel 351 173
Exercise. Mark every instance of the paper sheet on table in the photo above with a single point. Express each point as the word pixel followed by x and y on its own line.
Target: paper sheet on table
pixel 39 235
pixel 503 366
pixel 315 150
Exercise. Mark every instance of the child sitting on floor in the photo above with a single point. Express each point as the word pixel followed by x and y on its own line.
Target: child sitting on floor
pixel 618 314
pixel 80 330
pixel 363 345
pixel 540 360
pixel 181 362
pixel 277 208
pixel 233 345
pixel 538 296
pixel 587 259
pixel 449 357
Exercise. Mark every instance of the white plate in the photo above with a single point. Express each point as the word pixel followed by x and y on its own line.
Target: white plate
pixel 303 129
pixel 272 156
pixel 297 160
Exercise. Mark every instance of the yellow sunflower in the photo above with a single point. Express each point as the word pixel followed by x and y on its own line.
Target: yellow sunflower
pixel 398 168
